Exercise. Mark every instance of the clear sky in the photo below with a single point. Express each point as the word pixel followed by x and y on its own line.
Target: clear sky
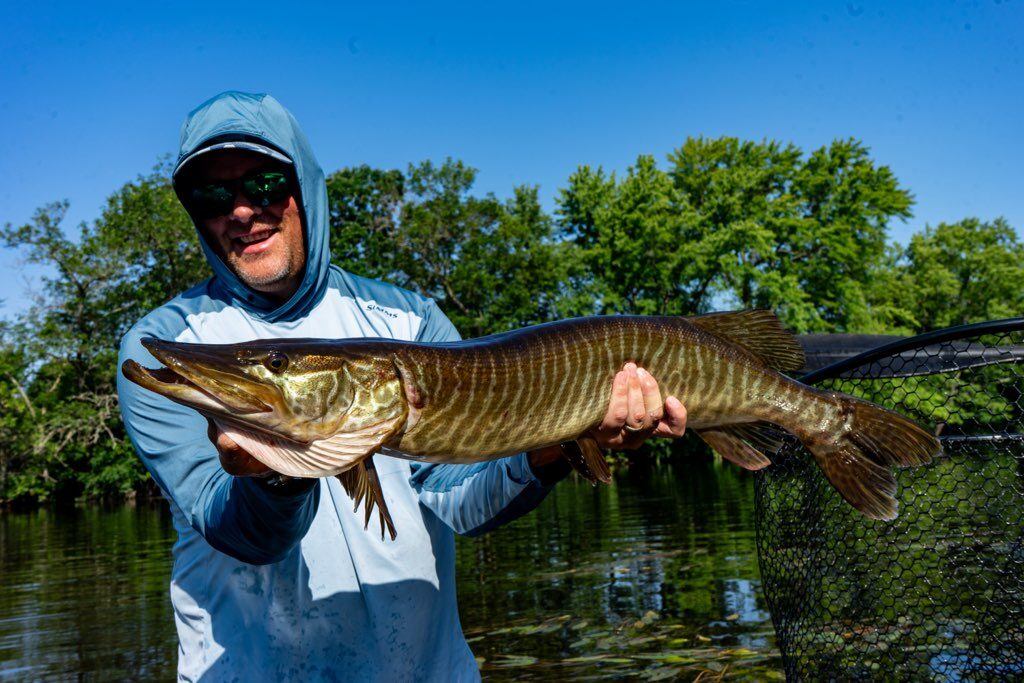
pixel 94 93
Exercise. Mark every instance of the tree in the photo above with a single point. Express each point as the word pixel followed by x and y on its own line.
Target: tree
pixel 364 204
pixel 731 222
pixel 958 273
pixel 18 470
pixel 138 254
pixel 490 265
pixel 796 235
pixel 636 240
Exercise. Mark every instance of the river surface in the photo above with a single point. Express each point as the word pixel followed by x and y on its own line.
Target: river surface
pixel 653 577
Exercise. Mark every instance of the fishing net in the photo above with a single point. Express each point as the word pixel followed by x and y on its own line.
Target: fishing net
pixel 938 594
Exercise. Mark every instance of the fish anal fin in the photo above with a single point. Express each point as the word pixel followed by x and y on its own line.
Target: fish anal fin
pixel 586 457
pixel 759 332
pixel 763 436
pixel 731 445
pixel 363 485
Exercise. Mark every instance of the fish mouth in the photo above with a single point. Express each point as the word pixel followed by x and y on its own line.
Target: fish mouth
pixel 206 377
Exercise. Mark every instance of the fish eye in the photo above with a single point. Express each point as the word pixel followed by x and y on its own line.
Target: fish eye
pixel 276 361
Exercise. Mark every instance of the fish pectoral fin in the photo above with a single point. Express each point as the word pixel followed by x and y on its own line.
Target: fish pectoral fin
pixel 320 458
pixel 731 444
pixel 362 484
pixel 586 457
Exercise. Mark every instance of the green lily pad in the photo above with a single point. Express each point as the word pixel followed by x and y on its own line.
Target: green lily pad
pixel 515 660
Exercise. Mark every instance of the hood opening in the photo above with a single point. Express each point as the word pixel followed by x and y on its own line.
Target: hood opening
pixel 257 119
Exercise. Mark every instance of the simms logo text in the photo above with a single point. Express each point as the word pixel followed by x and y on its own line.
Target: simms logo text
pixel 379 309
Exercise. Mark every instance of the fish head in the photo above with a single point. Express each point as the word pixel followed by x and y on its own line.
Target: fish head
pixel 303 390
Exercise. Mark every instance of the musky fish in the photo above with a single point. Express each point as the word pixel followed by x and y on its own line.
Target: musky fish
pixel 314 408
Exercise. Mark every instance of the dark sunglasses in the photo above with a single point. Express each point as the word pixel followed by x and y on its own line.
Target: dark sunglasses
pixel 217 197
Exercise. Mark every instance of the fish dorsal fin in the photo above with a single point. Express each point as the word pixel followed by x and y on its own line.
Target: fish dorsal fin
pixel 759 332
pixel 322 458
pixel 362 484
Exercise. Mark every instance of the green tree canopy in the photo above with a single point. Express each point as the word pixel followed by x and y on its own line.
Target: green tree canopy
pixel 138 254
pixel 490 264
pixel 958 273
pixel 364 204
pixel 726 223
pixel 737 223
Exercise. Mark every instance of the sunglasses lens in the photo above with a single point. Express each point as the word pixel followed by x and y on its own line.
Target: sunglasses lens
pixel 264 189
pixel 212 199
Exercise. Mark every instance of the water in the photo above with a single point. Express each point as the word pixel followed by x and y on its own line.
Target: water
pixel 654 576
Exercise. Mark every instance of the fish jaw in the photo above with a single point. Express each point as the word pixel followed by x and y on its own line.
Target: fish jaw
pixel 210 379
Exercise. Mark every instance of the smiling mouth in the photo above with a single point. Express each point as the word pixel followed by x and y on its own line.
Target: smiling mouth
pixel 254 237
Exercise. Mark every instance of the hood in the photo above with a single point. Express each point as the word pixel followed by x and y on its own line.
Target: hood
pixel 256 117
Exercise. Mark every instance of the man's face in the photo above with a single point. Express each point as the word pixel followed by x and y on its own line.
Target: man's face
pixel 262 245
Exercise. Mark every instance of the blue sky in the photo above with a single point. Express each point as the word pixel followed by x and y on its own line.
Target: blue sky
pixel 93 93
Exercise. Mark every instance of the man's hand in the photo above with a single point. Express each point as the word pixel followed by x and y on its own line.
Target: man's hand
pixel 233 458
pixel 635 414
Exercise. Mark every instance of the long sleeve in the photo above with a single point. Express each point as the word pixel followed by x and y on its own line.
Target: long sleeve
pixel 238 516
pixel 473 499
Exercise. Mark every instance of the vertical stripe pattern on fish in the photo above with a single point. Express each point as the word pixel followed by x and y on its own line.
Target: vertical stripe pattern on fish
pixel 323 407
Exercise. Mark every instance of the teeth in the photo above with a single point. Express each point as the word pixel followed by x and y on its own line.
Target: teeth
pixel 255 237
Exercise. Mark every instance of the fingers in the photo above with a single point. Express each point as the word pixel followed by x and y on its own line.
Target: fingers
pixel 652 403
pixel 673 423
pixel 233 458
pixel 636 415
pixel 636 411
pixel 618 405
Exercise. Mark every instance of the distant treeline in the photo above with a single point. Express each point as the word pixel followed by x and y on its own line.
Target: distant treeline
pixel 725 223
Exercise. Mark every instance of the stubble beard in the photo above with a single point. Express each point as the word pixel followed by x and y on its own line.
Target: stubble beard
pixel 248 268
pixel 267 272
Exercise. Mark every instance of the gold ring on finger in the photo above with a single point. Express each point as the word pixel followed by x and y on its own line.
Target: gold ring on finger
pixel 631 428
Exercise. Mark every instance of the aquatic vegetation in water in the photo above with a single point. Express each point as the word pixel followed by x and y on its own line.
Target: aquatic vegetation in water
pixel 646 647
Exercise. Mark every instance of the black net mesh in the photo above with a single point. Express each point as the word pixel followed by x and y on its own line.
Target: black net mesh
pixel 938 594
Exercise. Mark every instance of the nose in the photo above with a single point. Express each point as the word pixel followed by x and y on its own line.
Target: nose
pixel 243 210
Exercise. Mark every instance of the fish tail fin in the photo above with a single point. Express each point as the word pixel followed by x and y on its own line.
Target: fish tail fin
pixel 861 448
pixel 362 484
pixel 586 457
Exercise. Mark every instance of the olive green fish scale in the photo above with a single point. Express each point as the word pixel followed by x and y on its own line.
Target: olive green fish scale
pixel 445 399
pixel 702 381
pixel 436 432
pixel 471 408
pixel 488 404
pixel 548 413
pixel 512 399
pixel 474 442
pixel 554 412
pixel 570 371
pixel 535 391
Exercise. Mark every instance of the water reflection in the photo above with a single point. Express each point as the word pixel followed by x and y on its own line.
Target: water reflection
pixel 656 574
pixel 85 591
pixel 662 563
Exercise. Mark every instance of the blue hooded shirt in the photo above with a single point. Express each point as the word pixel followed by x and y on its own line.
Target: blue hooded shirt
pixel 286 585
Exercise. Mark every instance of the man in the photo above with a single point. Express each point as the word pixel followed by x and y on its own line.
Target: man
pixel 280 580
